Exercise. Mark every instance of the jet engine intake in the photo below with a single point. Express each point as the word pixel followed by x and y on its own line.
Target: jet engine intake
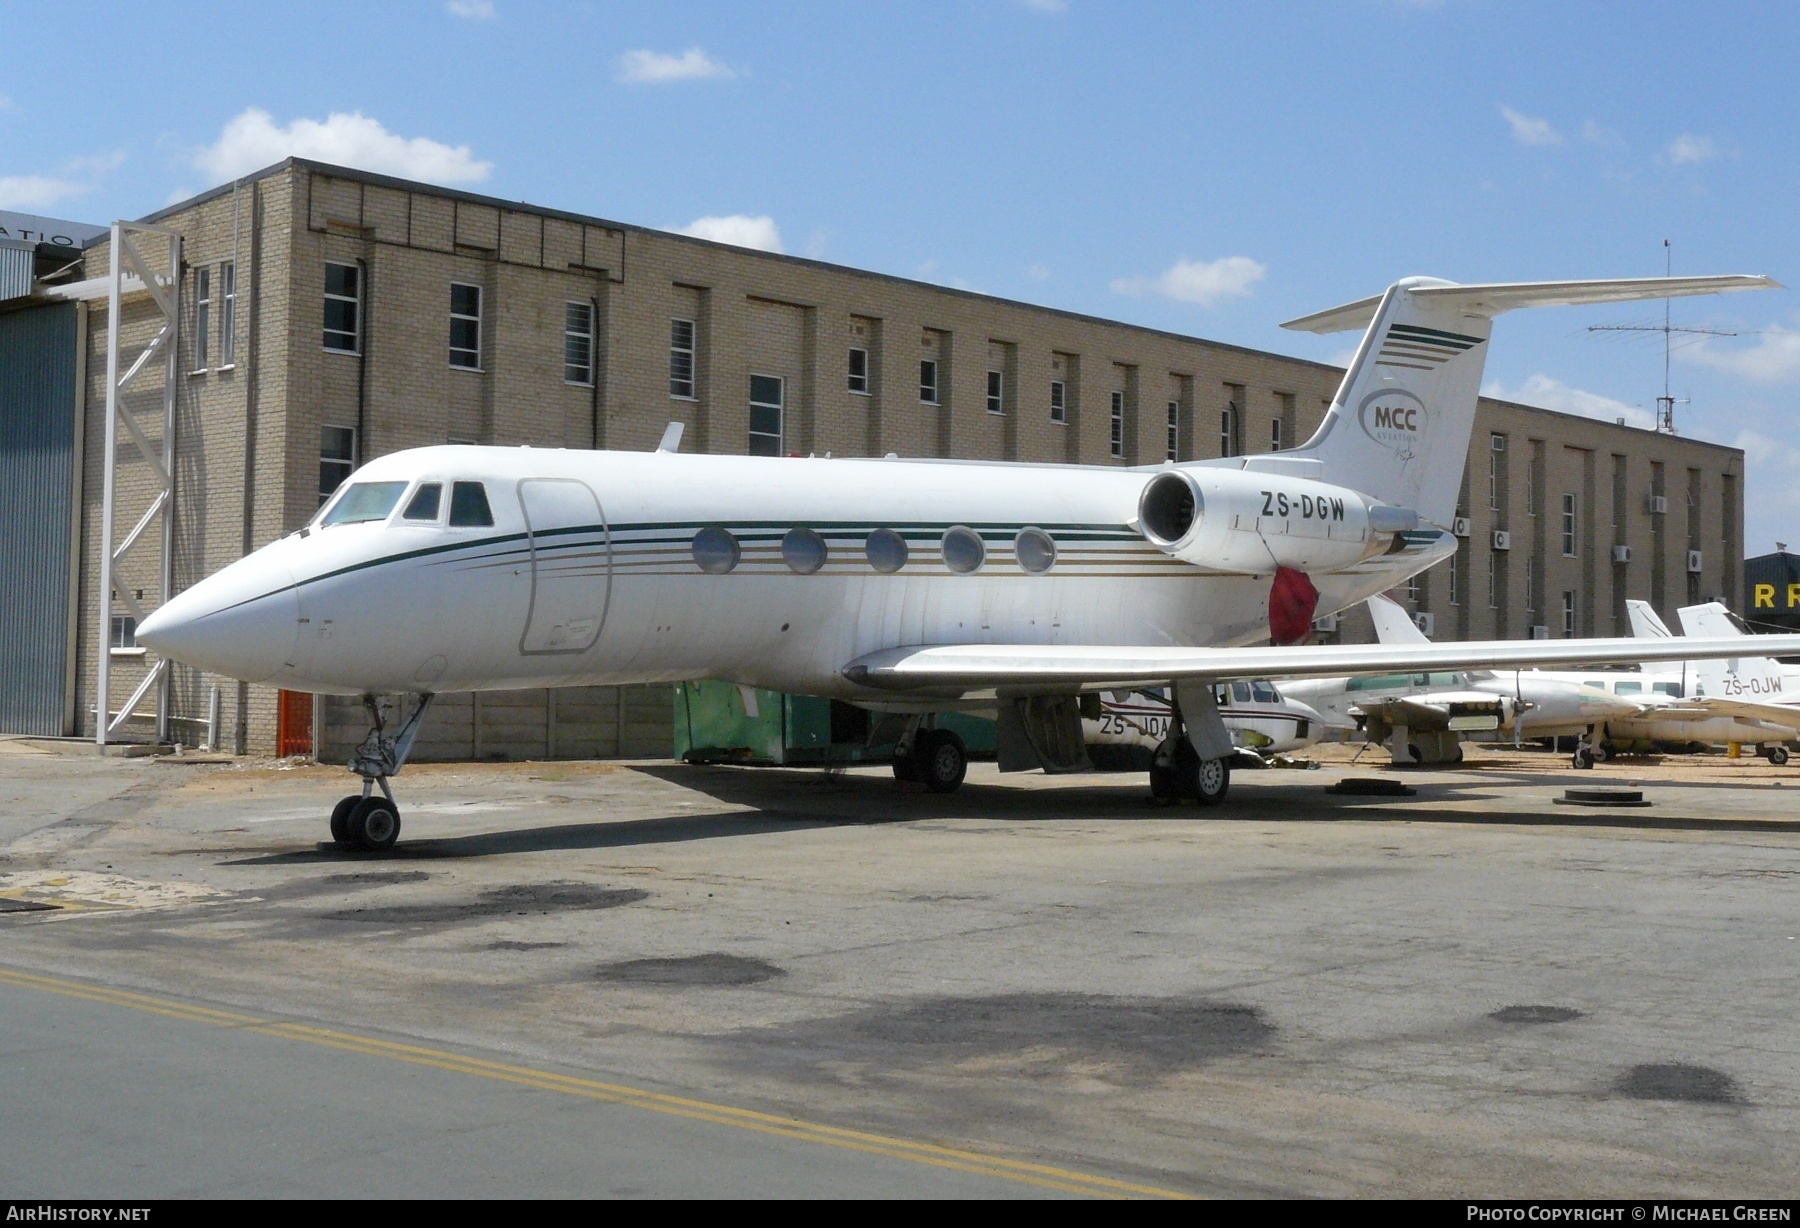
pixel 1232 520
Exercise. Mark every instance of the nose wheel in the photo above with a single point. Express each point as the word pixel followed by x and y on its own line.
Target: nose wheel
pixel 369 820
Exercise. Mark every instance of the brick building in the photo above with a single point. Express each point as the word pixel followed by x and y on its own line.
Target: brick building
pixel 329 315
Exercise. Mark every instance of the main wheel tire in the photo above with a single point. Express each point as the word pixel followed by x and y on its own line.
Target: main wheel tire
pixel 1601 754
pixel 340 818
pixel 1583 758
pixel 906 767
pixel 374 824
pixel 1778 755
pixel 1414 753
pixel 945 762
pixel 1212 781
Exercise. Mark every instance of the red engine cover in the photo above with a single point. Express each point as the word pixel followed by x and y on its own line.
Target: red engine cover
pixel 1292 603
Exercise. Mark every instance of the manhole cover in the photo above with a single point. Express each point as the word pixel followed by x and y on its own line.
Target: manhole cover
pixel 1535 1014
pixel 1602 797
pixel 1371 786
pixel 713 969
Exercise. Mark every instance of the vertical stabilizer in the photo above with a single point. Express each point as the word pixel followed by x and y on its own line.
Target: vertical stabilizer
pixel 1745 677
pixel 1399 426
pixel 1645 625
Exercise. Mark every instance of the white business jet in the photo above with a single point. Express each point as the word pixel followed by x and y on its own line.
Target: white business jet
pixel 1423 717
pixel 905 586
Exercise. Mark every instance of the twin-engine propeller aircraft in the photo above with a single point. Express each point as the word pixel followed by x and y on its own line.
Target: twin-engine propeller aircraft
pixel 905 586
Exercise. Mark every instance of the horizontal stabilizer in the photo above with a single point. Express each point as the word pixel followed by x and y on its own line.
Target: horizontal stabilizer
pixel 1497 297
pixel 1050 668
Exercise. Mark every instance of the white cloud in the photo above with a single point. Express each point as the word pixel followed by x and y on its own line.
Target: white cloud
pixel 76 177
pixel 1760 449
pixel 472 10
pixel 1038 272
pixel 37 191
pixel 1543 391
pixel 738 229
pixel 1198 281
pixel 253 141
pixel 1529 131
pixel 1594 134
pixel 657 68
pixel 1690 150
pixel 1774 358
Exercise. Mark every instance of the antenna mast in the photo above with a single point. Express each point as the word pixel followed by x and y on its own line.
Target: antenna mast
pixel 1665 404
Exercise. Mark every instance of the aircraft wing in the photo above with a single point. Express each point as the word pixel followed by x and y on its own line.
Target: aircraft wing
pixel 1747 709
pixel 956 668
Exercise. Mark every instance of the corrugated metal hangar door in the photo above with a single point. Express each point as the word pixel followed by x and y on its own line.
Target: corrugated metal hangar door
pixel 37 492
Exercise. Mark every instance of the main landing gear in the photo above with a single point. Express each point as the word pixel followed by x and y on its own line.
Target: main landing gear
pixel 1178 771
pixel 1589 749
pixel 936 758
pixel 364 820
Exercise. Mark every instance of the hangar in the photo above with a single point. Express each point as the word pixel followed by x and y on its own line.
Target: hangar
pixel 181 390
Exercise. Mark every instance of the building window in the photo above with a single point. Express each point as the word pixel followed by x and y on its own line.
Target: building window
pixel 578 343
pixel 1059 401
pixel 465 326
pixel 228 313
pixel 124 633
pixel 765 415
pixel 1118 424
pixel 1493 579
pixel 1568 526
pixel 1275 434
pixel 928 381
pixel 1230 424
pixel 681 359
pixel 343 308
pixel 202 316
pixel 1173 439
pixel 996 403
pixel 1496 446
pixel 1456 578
pixel 859 370
pixel 1569 614
pixel 337 459
pixel 1531 604
pixel 1412 588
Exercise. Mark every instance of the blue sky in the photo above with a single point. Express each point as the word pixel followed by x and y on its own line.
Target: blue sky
pixel 1208 169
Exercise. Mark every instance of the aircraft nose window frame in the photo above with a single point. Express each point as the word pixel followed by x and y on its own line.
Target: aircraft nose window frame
pixel 363 502
pixel 716 551
pixel 1035 550
pixel 803 550
pixel 886 550
pixel 469 508
pixel 964 551
pixel 426 505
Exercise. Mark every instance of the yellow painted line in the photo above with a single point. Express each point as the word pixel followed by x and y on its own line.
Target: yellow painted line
pixel 932 1154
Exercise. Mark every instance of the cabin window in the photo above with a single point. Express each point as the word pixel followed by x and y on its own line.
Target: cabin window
pixel 1668 688
pixel 964 550
pixel 1628 688
pixel 1240 692
pixel 886 550
pixel 365 501
pixel 425 502
pixel 469 506
pixel 1035 550
pixel 716 551
pixel 803 551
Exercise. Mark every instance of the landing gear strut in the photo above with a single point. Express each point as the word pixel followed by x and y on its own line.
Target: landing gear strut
pixel 364 820
pixel 1589 750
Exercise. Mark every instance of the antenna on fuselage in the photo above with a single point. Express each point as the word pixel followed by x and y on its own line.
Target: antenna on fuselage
pixel 671 439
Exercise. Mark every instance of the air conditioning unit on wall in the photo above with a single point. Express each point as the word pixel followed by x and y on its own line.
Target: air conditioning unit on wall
pixel 1621 554
pixel 1425 622
pixel 1460 526
pixel 1502 540
pixel 1694 567
pixel 1657 505
pixel 1540 632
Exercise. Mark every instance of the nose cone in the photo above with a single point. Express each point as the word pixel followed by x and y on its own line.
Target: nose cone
pixel 240 622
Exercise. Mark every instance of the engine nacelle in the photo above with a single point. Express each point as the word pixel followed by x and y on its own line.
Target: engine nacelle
pixel 1248 522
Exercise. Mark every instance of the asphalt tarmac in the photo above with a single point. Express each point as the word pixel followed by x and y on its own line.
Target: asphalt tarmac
pixel 652 979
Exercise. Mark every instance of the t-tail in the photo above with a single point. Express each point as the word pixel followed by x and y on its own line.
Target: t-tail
pixel 1745 677
pixel 1399 426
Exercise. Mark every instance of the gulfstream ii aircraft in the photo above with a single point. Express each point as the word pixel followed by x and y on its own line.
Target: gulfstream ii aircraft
pixel 909 587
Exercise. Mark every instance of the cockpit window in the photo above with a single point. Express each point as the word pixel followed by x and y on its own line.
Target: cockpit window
pixel 1263 693
pixel 469 505
pixel 365 501
pixel 1669 688
pixel 425 502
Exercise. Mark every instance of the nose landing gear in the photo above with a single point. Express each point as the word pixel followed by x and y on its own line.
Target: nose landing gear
pixel 365 820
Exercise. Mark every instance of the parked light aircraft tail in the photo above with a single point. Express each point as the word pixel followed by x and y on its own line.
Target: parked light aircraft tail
pixel 905 586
